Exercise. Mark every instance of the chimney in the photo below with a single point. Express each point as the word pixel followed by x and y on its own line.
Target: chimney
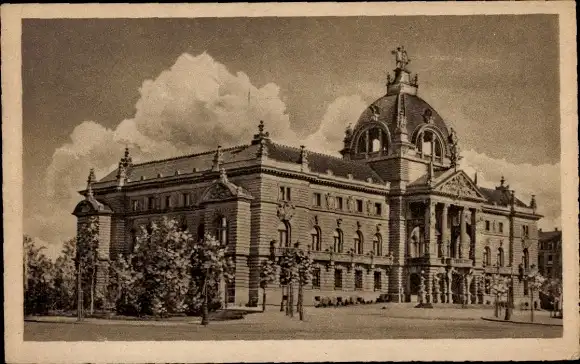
pixel 540 230
pixel 555 229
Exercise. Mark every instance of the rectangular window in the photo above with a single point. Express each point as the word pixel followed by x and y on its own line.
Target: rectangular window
pixel 339 203
pixel 186 199
pixel 316 278
pixel 378 285
pixel 151 203
pixel 358 280
pixel 284 193
pixel 378 209
pixel 549 271
pixel 487 225
pixel 550 258
pixel 526 288
pixel 317 199
pixel 541 261
pixel 501 227
pixel 167 202
pixel 525 231
pixel 135 205
pixel 359 206
pixel 337 279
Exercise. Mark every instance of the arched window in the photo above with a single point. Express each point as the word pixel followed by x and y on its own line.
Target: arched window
pixel 221 232
pixel 338 241
pixel 200 232
pixel 284 234
pixel 378 244
pixel 500 257
pixel 358 243
pixel 428 143
pixel 315 234
pixel 372 140
pixel 486 256
pixel 415 243
pixel 526 259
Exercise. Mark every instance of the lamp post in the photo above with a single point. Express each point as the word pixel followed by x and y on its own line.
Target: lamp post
pixel 510 293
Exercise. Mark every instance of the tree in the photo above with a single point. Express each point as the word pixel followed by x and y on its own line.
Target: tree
pixel 38 279
pixel 553 289
pixel 535 283
pixel 87 257
pixel 159 269
pixel 209 266
pixel 65 277
pixel 499 288
pixel 268 271
pixel 305 268
pixel 288 276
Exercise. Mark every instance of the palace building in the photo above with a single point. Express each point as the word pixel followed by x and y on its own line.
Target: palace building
pixel 394 217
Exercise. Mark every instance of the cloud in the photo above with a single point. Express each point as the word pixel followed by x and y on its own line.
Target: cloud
pixel 340 113
pixel 196 105
pixel 193 106
pixel 543 181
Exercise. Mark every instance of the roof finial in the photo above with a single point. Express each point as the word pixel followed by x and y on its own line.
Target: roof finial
pixel 217 159
pixel 223 175
pixel 533 204
pixel 303 155
pixel 502 181
pixel 261 133
pixel 401 58
pixel 90 180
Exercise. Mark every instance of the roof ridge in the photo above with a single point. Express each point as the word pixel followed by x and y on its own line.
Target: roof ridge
pixel 189 155
pixel 317 153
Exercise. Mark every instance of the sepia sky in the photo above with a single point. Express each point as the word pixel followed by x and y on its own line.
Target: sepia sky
pixel 176 86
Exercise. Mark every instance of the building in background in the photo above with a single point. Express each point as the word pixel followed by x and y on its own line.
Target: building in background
pixel 550 253
pixel 395 216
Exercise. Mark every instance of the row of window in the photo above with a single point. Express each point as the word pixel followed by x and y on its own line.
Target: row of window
pixel 500 257
pixel 285 229
pixel 338 279
pixel 158 202
pixel 492 227
pixel 220 233
pixel 337 203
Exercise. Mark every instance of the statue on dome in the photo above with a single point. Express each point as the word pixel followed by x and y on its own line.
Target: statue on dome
pixel 401 58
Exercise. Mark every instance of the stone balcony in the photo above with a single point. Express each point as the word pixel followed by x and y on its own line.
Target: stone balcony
pixel 459 262
pixel 441 261
pixel 499 270
pixel 367 259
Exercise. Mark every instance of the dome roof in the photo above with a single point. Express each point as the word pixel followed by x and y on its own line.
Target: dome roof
pixel 416 110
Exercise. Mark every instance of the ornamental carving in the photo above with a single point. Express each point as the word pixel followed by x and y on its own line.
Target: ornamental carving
pixel 218 192
pixel 329 201
pixel 459 186
pixel 285 210
pixel 350 204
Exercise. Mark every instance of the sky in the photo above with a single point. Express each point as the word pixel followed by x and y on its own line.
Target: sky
pixel 168 87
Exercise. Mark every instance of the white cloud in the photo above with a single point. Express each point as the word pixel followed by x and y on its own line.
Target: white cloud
pixel 526 179
pixel 196 105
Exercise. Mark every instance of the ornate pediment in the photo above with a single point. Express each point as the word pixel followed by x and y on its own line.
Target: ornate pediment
pixel 223 189
pixel 459 186
pixel 90 206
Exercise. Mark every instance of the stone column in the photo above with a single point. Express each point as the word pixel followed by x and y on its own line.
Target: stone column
pixel 468 288
pixel 474 217
pixel 429 284
pixel 445 246
pixel 476 284
pixel 444 296
pixel 462 239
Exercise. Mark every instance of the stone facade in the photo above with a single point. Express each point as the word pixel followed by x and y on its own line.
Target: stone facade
pixel 394 216
pixel 550 253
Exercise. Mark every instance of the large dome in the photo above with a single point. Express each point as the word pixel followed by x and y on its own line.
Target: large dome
pixel 416 110
pixel 400 119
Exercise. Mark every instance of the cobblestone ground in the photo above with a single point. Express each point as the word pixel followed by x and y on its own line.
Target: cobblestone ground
pixel 369 322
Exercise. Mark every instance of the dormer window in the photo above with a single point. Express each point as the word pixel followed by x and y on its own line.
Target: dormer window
pixel 429 144
pixel 372 141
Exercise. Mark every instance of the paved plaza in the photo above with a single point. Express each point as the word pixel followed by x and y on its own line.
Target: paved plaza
pixel 359 322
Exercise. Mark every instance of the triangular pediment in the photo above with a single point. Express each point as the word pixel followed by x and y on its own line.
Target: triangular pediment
pixel 222 189
pixel 459 185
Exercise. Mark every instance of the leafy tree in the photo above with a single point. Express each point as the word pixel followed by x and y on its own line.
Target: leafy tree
pixel 38 279
pixel 65 277
pixel 499 288
pixel 553 289
pixel 535 283
pixel 159 269
pixel 296 266
pixel 209 266
pixel 268 271
pixel 87 256
pixel 305 268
